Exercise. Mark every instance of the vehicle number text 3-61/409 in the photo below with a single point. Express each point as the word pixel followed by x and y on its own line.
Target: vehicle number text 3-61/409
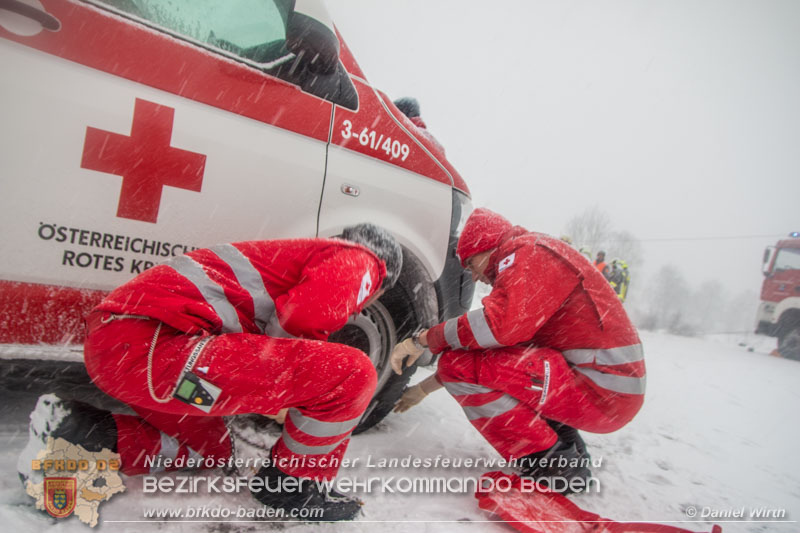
pixel 376 141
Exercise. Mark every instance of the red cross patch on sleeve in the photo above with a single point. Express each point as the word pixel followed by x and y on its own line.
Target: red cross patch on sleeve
pixel 505 263
pixel 366 288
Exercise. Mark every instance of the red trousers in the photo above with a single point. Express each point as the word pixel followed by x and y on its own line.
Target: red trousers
pixel 326 387
pixel 508 393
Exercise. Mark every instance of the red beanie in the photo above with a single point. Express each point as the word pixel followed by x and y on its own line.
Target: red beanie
pixel 482 232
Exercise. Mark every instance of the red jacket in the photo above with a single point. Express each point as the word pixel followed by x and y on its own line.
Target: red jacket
pixel 302 287
pixel 546 294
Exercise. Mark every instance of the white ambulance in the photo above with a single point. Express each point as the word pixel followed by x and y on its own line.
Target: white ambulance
pixel 136 130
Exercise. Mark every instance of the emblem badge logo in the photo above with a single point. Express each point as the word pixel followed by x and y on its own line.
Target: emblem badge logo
pixel 59 495
pixel 366 288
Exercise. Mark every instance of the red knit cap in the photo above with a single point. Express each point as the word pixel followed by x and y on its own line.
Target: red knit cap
pixel 482 232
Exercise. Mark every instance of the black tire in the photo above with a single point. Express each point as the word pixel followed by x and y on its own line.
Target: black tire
pixel 375 331
pixel 789 344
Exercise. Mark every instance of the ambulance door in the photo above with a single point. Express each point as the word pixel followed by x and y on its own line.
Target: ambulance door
pixel 135 130
pixel 380 171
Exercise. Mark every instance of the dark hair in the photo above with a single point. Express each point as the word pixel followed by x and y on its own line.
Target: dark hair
pixel 408 105
pixel 383 244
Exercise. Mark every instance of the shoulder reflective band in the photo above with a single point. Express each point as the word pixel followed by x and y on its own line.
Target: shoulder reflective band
pixel 621 384
pixel 213 294
pixel 451 333
pixel 250 280
pixel 318 428
pixel 501 405
pixel 609 356
pixel 458 388
pixel 480 329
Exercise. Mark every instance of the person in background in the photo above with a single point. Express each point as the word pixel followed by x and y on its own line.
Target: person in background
pixel 619 278
pixel 410 108
pixel 600 263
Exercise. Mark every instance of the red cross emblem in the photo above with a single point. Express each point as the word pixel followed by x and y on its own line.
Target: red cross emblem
pixel 366 288
pixel 507 262
pixel 145 160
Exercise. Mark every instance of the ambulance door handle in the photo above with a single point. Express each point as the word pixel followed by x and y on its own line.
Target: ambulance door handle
pixel 350 190
pixel 48 21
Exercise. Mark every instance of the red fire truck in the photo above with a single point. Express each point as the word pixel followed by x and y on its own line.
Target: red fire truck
pixel 779 312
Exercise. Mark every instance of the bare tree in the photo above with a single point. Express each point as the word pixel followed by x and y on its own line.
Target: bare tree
pixel 740 315
pixel 708 305
pixel 668 297
pixel 592 229
pixel 623 245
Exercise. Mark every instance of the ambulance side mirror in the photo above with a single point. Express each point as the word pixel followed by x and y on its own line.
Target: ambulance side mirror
pixel 311 36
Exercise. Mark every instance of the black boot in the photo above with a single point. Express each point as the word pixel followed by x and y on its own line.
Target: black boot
pixel 561 467
pixel 569 435
pixel 76 422
pixel 288 492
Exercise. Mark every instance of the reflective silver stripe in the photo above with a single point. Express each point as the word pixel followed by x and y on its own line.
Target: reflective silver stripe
pixel 169 446
pixel 609 356
pixel 451 333
pixel 457 388
pixel 212 292
pixel 303 449
pixel 501 405
pixel 169 450
pixel 194 455
pixel 546 386
pixel 480 329
pixel 623 384
pixel 318 428
pixel 250 280
pixel 274 329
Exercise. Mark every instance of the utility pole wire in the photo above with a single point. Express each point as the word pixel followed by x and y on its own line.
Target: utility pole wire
pixel 728 238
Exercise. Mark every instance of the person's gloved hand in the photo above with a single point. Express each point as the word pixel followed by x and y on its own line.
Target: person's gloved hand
pixel 403 350
pixel 411 397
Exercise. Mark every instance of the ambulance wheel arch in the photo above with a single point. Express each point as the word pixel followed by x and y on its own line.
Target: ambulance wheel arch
pixel 409 304
pixel 426 219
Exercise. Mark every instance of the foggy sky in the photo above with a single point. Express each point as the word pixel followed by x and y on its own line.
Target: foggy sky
pixel 681 119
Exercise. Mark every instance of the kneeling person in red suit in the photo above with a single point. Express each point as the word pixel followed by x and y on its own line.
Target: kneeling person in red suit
pixel 550 351
pixel 235 328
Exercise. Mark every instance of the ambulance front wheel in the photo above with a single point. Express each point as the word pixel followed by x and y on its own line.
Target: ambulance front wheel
pixel 375 332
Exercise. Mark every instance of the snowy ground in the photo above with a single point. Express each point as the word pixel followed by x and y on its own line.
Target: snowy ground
pixel 718 432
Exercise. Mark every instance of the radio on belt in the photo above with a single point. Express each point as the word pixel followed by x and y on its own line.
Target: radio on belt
pixel 196 391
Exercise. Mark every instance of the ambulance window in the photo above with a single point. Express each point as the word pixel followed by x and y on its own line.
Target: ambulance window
pixel 788 259
pixel 253 30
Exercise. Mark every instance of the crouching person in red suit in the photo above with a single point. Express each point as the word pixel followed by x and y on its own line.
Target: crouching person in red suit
pixel 236 328
pixel 550 351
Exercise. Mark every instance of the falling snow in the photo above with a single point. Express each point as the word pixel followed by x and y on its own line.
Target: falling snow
pixel 716 432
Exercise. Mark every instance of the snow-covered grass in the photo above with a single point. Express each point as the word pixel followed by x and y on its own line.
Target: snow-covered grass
pixel 718 432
